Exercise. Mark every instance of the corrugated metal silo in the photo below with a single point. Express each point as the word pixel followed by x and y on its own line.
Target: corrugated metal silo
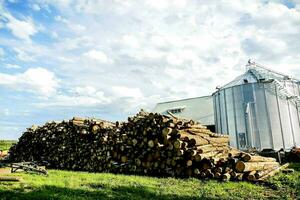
pixel 259 109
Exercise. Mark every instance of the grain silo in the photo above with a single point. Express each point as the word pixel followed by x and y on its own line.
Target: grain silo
pixel 259 109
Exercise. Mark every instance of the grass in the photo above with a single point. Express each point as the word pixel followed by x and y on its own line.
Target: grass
pixel 6 144
pixel 82 185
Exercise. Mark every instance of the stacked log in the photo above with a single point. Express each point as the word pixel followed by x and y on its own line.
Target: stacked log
pixel 77 144
pixel 148 144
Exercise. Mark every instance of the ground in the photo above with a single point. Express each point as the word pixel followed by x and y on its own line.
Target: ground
pixel 83 185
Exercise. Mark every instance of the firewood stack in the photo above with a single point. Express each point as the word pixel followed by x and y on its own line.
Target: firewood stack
pixel 77 144
pixel 148 144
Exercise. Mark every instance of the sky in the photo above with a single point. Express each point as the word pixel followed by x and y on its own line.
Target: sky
pixel 109 59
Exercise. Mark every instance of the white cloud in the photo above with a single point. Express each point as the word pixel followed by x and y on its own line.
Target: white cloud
pixel 84 96
pixel 36 7
pixel 72 101
pixel 1 53
pixel 35 80
pixel 23 55
pixel 124 55
pixel 86 90
pixel 97 56
pixel 73 26
pixel 158 4
pixel 21 29
pixel 123 91
pixel 12 66
pixel 130 41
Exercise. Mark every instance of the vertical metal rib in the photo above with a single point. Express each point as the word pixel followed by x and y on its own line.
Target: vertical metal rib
pixel 279 115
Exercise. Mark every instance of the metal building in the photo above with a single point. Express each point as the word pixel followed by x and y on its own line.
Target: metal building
pixel 259 109
pixel 199 109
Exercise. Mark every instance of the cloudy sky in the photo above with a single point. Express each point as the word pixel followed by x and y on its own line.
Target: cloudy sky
pixel 108 59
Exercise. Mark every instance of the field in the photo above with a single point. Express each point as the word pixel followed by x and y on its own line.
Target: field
pixel 82 185
pixel 6 144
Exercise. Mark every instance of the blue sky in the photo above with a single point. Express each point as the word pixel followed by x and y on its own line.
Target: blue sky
pixel 108 59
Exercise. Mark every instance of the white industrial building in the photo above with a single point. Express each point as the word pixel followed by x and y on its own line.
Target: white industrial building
pixel 200 109
pixel 258 109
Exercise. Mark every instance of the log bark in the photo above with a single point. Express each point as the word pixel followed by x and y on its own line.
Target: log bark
pixel 251 166
pixel 10 178
pixel 250 158
pixel 273 172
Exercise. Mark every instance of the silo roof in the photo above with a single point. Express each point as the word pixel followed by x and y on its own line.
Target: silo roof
pixel 257 72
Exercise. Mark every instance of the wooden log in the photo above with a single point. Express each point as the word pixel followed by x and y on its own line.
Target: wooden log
pixel 240 176
pixel 209 148
pixel 189 163
pixel 150 143
pixel 197 172
pixel 251 158
pixel 124 159
pixel 209 173
pixel 213 140
pixel 209 154
pixel 226 177
pixel 166 131
pixel 218 175
pixel 251 176
pixel 273 172
pixel 236 176
pixel 241 166
pixel 177 144
pixel 233 152
pixel 10 178
pixel 198 140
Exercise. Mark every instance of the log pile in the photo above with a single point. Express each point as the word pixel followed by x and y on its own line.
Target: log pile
pixel 147 144
pixel 77 144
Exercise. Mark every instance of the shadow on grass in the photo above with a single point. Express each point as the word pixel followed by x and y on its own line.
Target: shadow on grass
pixel 53 192
pixel 295 166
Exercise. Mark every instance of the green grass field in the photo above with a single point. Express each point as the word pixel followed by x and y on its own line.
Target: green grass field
pixel 6 144
pixel 83 185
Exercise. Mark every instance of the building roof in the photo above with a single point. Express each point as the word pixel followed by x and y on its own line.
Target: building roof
pixel 256 72
pixel 280 84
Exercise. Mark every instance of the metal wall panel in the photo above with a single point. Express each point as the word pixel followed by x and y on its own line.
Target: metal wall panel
pixel 200 109
pixel 241 133
pixel 286 125
pixel 248 99
pixel 254 116
pixel 215 113
pixel 295 124
pixel 254 129
pixel 223 112
pixel 231 116
pixel 218 120
pixel 262 117
pixel 274 120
